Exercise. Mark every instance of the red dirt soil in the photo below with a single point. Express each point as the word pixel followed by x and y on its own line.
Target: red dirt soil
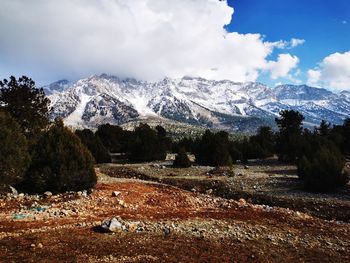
pixel 230 231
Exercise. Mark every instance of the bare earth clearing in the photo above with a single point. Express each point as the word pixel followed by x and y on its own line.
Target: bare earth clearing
pixel 172 224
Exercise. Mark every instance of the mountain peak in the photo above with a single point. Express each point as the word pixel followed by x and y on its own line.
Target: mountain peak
pixel 221 104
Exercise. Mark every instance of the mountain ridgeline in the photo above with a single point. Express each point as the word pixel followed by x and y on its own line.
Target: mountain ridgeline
pixel 224 105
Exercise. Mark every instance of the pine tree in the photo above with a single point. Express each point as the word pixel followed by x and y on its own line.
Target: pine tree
pixel 14 156
pixel 181 159
pixel 323 171
pixel 146 145
pixel 213 149
pixel 95 146
pixel 60 163
pixel 26 103
pixel 290 131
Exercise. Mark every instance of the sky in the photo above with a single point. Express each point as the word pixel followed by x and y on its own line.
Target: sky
pixel 270 41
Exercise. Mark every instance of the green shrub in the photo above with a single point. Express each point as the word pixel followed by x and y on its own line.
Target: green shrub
pixel 60 162
pixel 323 171
pixel 14 156
pixel 181 160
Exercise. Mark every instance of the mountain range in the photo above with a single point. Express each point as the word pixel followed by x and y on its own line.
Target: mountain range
pixel 221 104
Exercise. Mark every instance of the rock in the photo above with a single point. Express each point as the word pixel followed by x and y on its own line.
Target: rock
pixel 84 193
pixel 13 190
pixel 113 225
pixel 47 194
pixel 132 227
pixel 122 203
pixel 40 245
pixel 166 231
pixel 21 195
pixel 32 245
pixel 209 191
pixel 64 212
pixel 242 202
pixel 115 193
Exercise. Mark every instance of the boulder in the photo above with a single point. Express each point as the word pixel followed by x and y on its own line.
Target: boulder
pixel 113 225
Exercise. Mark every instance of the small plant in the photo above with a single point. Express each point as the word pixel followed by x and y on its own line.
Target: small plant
pixel 181 160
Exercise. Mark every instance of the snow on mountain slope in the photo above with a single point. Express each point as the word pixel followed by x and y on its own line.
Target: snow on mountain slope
pixel 220 104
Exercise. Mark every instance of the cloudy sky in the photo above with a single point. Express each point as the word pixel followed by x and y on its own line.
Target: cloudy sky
pixel 284 41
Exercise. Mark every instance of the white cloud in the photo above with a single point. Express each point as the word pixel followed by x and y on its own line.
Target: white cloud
pixel 282 67
pixel 145 39
pixel 313 77
pixel 296 42
pixel 332 72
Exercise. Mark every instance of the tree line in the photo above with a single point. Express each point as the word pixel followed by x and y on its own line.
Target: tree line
pixel 37 155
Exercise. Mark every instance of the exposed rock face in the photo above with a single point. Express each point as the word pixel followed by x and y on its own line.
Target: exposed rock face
pixel 220 104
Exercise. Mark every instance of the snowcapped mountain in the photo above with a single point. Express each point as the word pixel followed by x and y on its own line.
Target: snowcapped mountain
pixel 221 104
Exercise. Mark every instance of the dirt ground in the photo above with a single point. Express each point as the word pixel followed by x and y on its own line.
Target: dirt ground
pixel 173 224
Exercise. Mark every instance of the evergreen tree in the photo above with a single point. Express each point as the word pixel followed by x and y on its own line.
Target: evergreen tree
pixel 161 131
pixel 323 170
pixel 60 162
pixel 289 136
pixel 181 159
pixel 14 156
pixel 346 136
pixel 265 139
pixel 95 146
pixel 213 149
pixel 324 129
pixel 145 145
pixel 112 137
pixel 26 103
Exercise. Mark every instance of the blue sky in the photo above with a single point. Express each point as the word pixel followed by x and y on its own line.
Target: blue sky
pixel 271 41
pixel 323 24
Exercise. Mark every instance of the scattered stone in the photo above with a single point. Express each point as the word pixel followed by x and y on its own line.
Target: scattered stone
pixel 246 167
pixel 209 191
pixel 242 202
pixel 13 190
pixel 115 193
pixel 166 231
pixel 133 227
pixel 122 203
pixel 40 245
pixel 47 194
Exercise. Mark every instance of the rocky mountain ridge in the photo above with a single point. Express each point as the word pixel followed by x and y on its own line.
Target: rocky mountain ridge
pixel 222 104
